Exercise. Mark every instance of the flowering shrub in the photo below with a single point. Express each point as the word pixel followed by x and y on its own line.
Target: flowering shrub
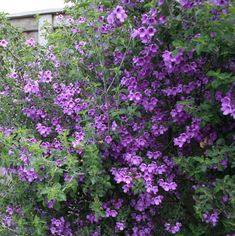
pixel 123 124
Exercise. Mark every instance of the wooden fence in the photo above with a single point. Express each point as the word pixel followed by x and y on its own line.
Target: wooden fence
pixel 32 26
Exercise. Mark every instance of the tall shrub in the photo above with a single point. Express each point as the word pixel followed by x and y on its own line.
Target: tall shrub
pixel 123 124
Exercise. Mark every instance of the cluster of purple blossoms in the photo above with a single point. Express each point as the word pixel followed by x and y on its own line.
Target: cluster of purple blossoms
pixel 143 231
pixel 225 198
pixel 34 113
pixel 131 2
pixel 144 34
pixel 59 227
pixel 69 21
pixel 118 57
pixel 111 213
pixel 220 2
pixel 45 76
pixel 68 99
pixel 3 43
pixel 101 124
pixel 122 175
pixel 154 155
pixel 60 17
pixel 117 16
pixel 6 219
pixel 51 57
pixel 156 201
pixel 43 130
pixel 149 18
pixel 149 51
pixel 158 130
pixel 5 92
pixel 149 104
pixel 30 42
pixel 180 88
pixel 173 228
pixel 192 131
pixel 24 157
pixel 79 47
pixel 32 87
pixel 187 4
pixel 92 218
pixel 133 159
pixel 7 131
pixel 27 174
pixel 135 96
pixel 170 60
pixel 211 218
pixel 178 114
pixel 79 137
pixel 228 107
pixel 167 186
pixel 111 207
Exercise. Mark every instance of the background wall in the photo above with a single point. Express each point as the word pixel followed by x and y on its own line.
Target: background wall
pixel 31 26
pixel 17 6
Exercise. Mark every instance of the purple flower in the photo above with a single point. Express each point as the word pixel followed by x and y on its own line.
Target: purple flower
pixel 157 200
pixel 43 130
pixel 211 218
pixel 192 131
pixel 45 76
pixel 27 175
pixel 30 42
pixel 114 126
pixel 145 34
pixel 108 139
pixel 3 43
pixel 118 15
pixel 167 186
pixel 50 204
pixel 161 2
pixel 59 227
pixel 173 228
pixel 10 210
pixel 133 159
pixel 79 137
pixel 31 87
pixel 151 31
pixel 7 221
pixel 111 213
pixel 13 75
pixel 92 218
pixel 120 226
pixel 228 108
pixel 220 2
pixel 225 198
pixel 118 57
pixel 67 177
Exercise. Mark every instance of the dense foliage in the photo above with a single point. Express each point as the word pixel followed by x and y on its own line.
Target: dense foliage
pixel 123 124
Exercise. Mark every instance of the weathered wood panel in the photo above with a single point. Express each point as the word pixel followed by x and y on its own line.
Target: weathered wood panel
pixel 31 26
pixel 26 24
